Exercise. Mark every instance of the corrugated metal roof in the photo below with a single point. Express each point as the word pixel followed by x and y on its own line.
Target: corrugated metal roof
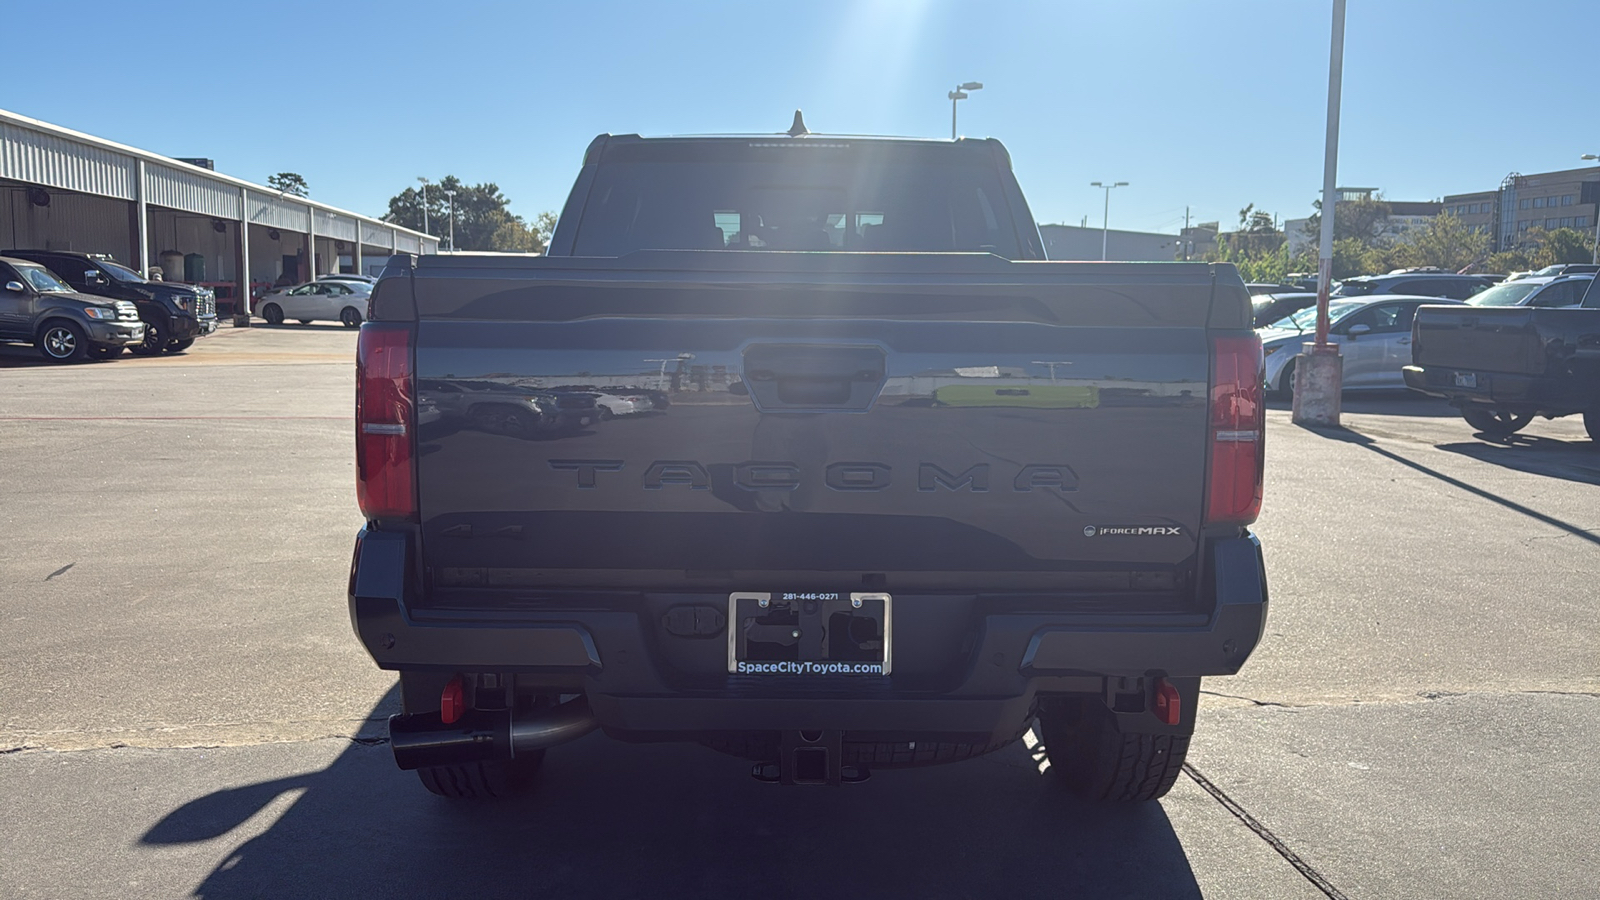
pixel 41 153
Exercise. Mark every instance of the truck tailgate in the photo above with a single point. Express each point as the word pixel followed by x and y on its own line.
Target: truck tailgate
pixel 816 422
pixel 1489 339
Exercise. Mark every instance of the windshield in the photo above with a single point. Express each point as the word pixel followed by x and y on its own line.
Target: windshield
pixel 819 196
pixel 1509 294
pixel 122 273
pixel 42 280
pixel 1307 318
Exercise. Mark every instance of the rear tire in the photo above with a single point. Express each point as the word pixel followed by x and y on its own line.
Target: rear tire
pixel 1097 761
pixel 273 313
pixel 1496 422
pixel 61 341
pixel 1591 424
pixel 483 781
pixel 1286 381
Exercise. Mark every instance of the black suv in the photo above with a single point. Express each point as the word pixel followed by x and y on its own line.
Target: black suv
pixel 1414 284
pixel 174 314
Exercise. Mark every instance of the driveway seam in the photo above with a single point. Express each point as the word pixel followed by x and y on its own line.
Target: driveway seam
pixel 1306 870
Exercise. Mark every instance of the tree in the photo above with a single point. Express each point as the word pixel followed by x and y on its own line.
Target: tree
pixel 1363 220
pixel 544 225
pixel 482 219
pixel 1444 243
pixel 1562 245
pixel 289 183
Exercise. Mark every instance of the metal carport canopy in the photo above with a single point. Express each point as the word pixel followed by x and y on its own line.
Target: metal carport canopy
pixel 36 152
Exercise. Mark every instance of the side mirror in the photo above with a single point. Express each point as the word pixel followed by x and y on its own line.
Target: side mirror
pixel 1358 330
pixel 16 286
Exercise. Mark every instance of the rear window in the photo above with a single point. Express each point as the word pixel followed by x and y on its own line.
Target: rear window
pixel 807 195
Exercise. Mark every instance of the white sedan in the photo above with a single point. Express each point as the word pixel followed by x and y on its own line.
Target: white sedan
pixel 1373 334
pixel 325 301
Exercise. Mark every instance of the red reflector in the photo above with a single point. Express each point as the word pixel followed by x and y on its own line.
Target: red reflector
pixel 1237 431
pixel 453 702
pixel 383 422
pixel 1169 705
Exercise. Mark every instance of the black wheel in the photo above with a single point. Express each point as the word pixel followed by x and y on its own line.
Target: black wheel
pixel 1098 762
pixel 1591 424
pixel 155 340
pixel 1286 381
pixel 351 317
pixel 306 321
pixel 180 346
pixel 62 342
pixel 105 351
pixel 273 313
pixel 483 781
pixel 1496 422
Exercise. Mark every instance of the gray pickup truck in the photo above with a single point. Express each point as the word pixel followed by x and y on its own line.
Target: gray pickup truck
pixel 37 308
pixel 1504 365
pixel 916 489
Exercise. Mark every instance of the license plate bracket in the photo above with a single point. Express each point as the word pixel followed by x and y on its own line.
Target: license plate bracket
pixel 810 633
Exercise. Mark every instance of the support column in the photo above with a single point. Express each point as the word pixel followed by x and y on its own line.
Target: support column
pixel 311 243
pixel 356 257
pixel 241 289
pixel 140 191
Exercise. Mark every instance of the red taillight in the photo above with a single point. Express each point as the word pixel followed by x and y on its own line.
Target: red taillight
pixel 1238 428
pixel 383 422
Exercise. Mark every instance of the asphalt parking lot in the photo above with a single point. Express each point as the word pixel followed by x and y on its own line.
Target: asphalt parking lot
pixel 186 712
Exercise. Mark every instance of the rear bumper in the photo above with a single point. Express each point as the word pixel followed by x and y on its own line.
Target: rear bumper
pixel 614 656
pixel 1532 393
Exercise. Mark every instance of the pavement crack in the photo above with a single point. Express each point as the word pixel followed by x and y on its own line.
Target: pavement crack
pixel 60 571
pixel 1306 870
pixel 1246 699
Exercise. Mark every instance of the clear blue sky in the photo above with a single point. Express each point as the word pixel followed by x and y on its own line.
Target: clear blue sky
pixel 1213 105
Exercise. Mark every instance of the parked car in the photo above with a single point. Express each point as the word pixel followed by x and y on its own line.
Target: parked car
pixel 38 308
pixel 1414 284
pixel 317 301
pixel 732 582
pixel 1502 366
pixel 1373 334
pixel 1269 308
pixel 350 278
pixel 1258 288
pixel 1558 269
pixel 1546 291
pixel 174 314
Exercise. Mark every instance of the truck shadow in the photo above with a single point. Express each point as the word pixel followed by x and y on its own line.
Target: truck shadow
pixel 1361 440
pixel 614 820
pixel 1570 460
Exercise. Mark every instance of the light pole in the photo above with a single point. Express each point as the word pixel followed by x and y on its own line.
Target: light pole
pixel 960 94
pixel 424 192
pixel 1052 364
pixel 452 195
pixel 1595 256
pixel 1319 370
pixel 1105 223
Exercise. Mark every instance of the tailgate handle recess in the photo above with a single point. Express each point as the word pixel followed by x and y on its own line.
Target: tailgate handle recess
pixel 814 377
